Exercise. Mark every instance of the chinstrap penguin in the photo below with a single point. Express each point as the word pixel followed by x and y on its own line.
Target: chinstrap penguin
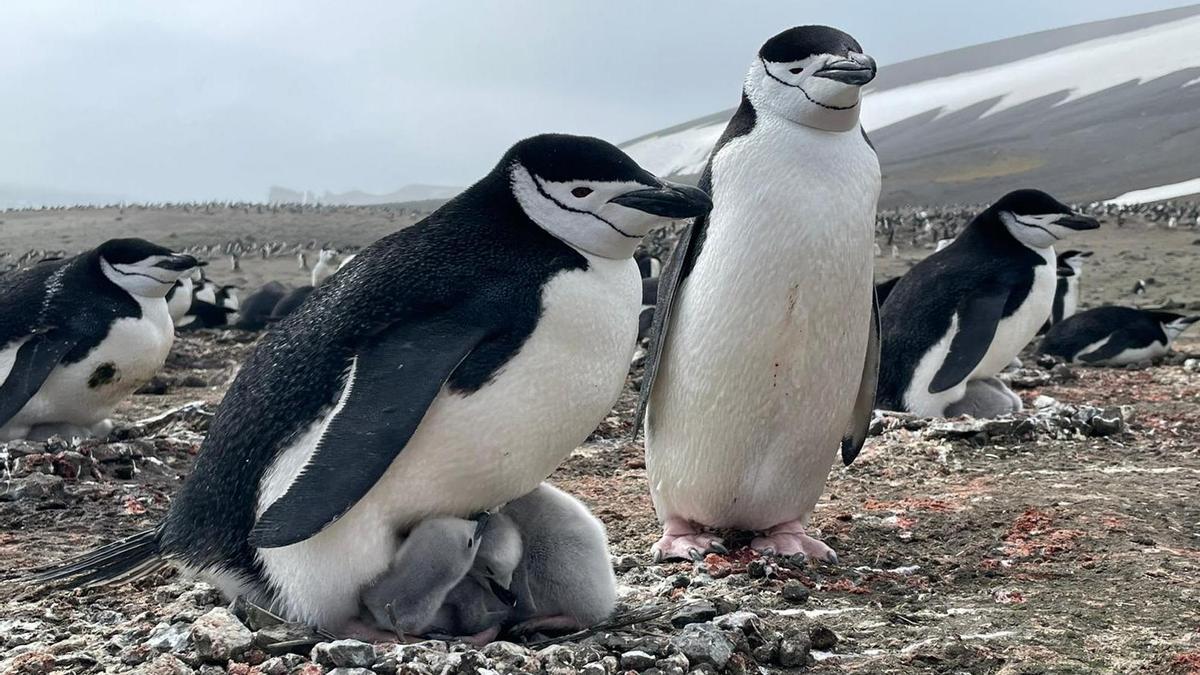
pixel 1066 293
pixel 1114 336
pixel 496 333
pixel 79 335
pixel 254 313
pixel 742 426
pixel 965 312
pixel 327 264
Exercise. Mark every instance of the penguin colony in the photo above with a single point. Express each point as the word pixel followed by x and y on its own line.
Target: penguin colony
pixel 497 332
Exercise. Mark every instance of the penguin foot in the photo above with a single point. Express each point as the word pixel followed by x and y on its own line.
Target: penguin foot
pixel 791 539
pixel 548 624
pixel 356 629
pixel 682 540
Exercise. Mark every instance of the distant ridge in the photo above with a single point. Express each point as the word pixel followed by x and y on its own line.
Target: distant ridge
pixel 408 193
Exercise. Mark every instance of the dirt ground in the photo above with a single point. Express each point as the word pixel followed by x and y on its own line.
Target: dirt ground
pixel 1018 549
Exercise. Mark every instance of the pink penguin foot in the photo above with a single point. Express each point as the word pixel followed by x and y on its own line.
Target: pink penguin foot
pixel 789 539
pixel 682 540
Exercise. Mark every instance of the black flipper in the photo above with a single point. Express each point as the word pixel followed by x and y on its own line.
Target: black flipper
pixel 35 361
pixel 1117 343
pixel 864 404
pixel 668 290
pixel 978 317
pixel 391 385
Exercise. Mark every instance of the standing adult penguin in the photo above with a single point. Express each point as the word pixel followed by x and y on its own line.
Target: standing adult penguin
pixel 447 371
pixel 965 312
pixel 79 335
pixel 742 425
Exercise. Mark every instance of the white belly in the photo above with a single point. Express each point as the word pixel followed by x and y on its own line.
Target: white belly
pixel 86 392
pixel 1012 335
pixel 475 452
pixel 1151 351
pixel 769 333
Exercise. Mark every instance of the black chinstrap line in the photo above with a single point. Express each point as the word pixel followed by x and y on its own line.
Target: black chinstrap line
pixel 538 184
pixel 812 100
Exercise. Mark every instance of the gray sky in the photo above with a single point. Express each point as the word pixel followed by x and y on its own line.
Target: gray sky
pixel 220 99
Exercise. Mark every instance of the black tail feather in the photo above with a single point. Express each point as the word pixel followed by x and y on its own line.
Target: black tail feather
pixel 125 560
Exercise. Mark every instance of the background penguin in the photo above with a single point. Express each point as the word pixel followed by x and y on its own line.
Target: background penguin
pixel 965 312
pixel 742 424
pixel 1114 336
pixel 253 314
pixel 497 332
pixel 289 303
pixel 79 335
pixel 1066 293
pixel 648 266
pixel 179 300
pixel 327 264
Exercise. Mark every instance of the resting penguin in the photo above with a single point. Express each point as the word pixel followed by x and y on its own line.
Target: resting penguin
pixel 290 302
pixel 1114 336
pixel 256 310
pixel 451 372
pixel 743 425
pixel 79 335
pixel 965 312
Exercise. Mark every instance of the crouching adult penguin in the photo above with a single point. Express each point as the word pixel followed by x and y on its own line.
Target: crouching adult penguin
pixel 447 371
pixel 765 345
pixel 963 313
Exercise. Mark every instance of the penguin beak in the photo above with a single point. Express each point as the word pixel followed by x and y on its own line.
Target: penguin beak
pixel 856 69
pixel 503 594
pixel 1074 221
pixel 671 200
pixel 178 263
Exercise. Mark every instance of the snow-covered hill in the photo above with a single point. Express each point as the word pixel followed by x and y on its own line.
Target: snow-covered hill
pixel 1090 112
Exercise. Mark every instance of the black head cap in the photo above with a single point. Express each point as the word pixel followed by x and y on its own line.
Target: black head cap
pixel 1029 202
pixel 801 42
pixel 562 158
pixel 1073 253
pixel 128 251
pixel 1168 317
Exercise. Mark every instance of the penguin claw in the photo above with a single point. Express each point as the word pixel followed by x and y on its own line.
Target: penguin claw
pixel 789 539
pixel 718 548
pixel 695 554
pixel 690 545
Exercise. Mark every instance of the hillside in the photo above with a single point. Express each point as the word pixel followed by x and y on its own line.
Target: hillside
pixel 1088 112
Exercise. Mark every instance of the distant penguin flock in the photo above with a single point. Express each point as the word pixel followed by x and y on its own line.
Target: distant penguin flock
pixel 378 466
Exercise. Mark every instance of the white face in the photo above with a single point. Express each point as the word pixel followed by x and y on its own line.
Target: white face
pixel 793 91
pixel 328 255
pixel 1174 328
pixel 143 277
pixel 1075 262
pixel 581 213
pixel 1036 231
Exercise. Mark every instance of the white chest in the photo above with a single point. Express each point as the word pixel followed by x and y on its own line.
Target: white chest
pixel 1016 331
pixel 87 391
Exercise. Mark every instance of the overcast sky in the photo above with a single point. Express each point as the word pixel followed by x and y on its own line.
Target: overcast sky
pixel 198 100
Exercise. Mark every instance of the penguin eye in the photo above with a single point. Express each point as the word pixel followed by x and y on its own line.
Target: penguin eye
pixel 795 71
pixel 581 192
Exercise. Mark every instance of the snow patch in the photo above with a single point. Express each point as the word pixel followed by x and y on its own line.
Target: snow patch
pixel 1155 194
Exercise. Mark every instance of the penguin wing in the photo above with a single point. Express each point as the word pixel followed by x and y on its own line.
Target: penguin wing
pixel 391 384
pixel 35 360
pixel 978 317
pixel 1118 342
pixel 864 404
pixel 668 289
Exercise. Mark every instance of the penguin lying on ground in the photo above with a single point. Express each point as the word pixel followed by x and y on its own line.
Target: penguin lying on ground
pixel 742 425
pixel 289 303
pixel 965 312
pixel 1114 336
pixel 449 370
pixel 253 314
pixel 540 565
pixel 77 336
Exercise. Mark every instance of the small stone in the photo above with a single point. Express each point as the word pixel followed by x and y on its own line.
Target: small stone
pixel 637 660
pixel 742 621
pixel 695 612
pixel 35 486
pixel 557 656
pixel 793 651
pixel 704 643
pixel 796 592
pixel 508 654
pixel 593 669
pixel 219 636
pixel 170 637
pixel 757 568
pixel 351 671
pixel 165 664
pixel 822 638
pixel 344 653
pixel 624 563
pixel 675 664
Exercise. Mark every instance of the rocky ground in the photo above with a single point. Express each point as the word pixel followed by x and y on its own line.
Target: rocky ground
pixel 1064 540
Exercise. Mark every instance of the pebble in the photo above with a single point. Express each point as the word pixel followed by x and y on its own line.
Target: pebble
pixel 794 591
pixel 822 638
pixel 637 660
pixel 219 636
pixel 170 637
pixel 793 651
pixel 344 653
pixel 704 643
pixel 695 612
pixel 35 486
pixel 165 664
